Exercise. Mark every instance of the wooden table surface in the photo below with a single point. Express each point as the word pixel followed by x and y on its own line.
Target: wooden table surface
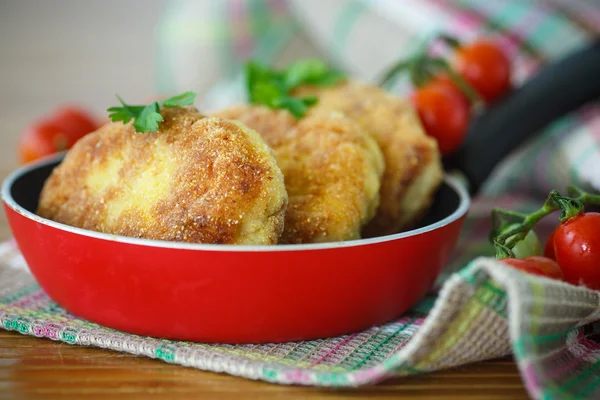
pixel 33 368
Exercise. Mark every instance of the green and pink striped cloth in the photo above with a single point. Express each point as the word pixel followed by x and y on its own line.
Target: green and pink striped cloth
pixel 478 308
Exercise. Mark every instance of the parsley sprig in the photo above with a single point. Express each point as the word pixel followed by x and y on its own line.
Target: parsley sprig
pixel 273 88
pixel 147 117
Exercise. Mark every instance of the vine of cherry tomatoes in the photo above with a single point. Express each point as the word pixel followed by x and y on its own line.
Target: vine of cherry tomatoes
pixel 571 252
pixel 479 73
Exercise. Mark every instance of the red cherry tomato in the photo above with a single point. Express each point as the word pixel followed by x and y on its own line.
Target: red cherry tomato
pixel 444 112
pixel 537 265
pixel 577 249
pixel 549 248
pixel 447 81
pixel 485 66
pixel 56 133
pixel 75 122
pixel 39 140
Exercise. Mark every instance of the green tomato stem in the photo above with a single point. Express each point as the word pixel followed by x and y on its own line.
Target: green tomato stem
pixel 570 207
pixel 390 75
pixel 585 198
pixel 439 64
pixel 515 239
pixel 505 240
pixel 451 41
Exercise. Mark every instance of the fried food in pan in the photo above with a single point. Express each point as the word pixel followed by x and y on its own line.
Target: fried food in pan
pixel 413 168
pixel 332 171
pixel 200 180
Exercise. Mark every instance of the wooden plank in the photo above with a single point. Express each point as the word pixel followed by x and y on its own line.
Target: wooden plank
pixel 32 367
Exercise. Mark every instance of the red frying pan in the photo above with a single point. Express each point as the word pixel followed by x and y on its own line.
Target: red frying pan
pixel 258 294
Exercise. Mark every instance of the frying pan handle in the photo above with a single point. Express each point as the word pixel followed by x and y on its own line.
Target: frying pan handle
pixel 554 91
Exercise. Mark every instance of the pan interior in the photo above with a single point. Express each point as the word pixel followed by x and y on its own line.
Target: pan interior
pixel 445 202
pixel 26 192
pixel 21 191
pixel 27 188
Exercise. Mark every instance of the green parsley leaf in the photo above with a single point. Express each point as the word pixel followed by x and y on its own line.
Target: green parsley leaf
pixel 294 105
pixel 257 78
pixel 125 113
pixel 255 73
pixel 330 78
pixel 311 72
pixel 298 106
pixel 184 99
pixel 273 88
pixel 303 72
pixel 147 117
pixel 310 100
pixel 266 93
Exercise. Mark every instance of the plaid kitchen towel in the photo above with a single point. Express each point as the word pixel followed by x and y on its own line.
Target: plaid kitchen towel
pixel 478 309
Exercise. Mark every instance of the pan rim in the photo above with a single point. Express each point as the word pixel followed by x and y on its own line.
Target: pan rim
pixel 9 201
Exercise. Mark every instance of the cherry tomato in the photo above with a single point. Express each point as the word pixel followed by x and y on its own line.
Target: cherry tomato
pixel 39 140
pixel 55 133
pixel 549 248
pixel 74 122
pixel 485 66
pixel 577 249
pixel 447 81
pixel 444 112
pixel 537 265
pixel 528 247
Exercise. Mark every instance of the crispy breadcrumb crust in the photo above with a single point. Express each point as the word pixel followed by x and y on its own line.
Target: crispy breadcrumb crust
pixel 332 171
pixel 199 180
pixel 413 167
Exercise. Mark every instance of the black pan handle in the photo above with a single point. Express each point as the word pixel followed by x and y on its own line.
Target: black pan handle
pixel 554 91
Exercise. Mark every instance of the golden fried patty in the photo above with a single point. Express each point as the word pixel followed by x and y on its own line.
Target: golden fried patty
pixel 413 168
pixel 202 180
pixel 332 171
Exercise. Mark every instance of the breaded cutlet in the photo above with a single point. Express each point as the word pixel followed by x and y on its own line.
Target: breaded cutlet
pixel 198 179
pixel 413 167
pixel 332 171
